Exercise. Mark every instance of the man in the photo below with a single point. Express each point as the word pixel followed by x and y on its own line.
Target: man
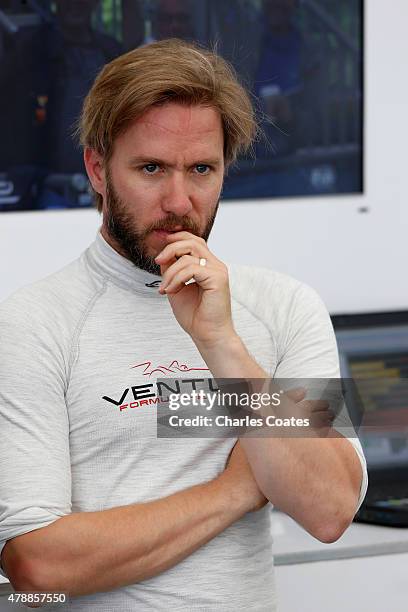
pixel 93 503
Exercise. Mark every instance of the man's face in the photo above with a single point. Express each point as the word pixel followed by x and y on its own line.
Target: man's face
pixel 165 175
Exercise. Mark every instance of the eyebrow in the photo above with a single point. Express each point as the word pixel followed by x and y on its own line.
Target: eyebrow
pixel 140 160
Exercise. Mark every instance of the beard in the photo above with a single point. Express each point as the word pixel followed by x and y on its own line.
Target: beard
pixel 132 242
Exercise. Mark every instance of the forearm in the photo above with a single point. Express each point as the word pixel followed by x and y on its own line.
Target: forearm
pixel 316 481
pixel 91 552
pixel 230 359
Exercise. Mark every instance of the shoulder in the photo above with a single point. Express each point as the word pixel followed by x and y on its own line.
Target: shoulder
pixel 261 287
pixel 296 317
pixel 287 306
pixel 54 303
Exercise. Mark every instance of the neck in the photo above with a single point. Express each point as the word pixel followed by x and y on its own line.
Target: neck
pixel 112 242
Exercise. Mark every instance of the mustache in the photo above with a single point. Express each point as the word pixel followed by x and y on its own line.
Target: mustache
pixel 172 222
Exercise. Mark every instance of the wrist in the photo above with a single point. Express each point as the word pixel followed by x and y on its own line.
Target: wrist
pixel 225 342
pixel 235 498
pixel 228 357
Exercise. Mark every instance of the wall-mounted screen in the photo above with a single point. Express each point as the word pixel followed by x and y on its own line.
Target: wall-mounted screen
pixel 302 61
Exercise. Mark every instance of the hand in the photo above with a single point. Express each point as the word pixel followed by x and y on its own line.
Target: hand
pixel 203 308
pixel 317 411
pixel 239 474
pixel 294 404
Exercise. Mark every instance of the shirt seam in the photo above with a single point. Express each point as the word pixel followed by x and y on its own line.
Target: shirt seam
pixel 74 352
pixel 292 306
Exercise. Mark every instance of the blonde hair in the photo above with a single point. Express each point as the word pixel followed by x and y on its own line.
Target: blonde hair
pixel 170 70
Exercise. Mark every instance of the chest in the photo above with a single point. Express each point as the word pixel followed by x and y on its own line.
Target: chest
pixel 129 356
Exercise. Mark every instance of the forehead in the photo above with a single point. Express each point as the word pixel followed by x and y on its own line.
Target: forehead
pixel 175 126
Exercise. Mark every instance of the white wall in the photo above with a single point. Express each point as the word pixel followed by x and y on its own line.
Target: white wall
pixel 357 261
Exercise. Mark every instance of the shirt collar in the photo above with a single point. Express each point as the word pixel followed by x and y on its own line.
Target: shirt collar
pixel 105 260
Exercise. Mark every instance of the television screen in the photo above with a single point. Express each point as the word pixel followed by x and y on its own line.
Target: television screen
pixel 302 61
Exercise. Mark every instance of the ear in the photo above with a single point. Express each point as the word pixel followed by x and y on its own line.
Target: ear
pixel 95 170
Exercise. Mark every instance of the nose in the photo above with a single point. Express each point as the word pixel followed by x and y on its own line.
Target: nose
pixel 176 198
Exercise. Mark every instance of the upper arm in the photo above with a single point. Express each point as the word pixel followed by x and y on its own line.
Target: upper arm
pixel 308 350
pixel 307 345
pixel 35 476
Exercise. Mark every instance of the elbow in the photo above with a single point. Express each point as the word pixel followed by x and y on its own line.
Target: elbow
pixel 21 579
pixel 329 531
pixel 29 576
pixel 29 571
pixel 15 568
pixel 42 580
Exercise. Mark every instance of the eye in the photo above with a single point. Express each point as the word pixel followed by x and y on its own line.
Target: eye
pixel 150 168
pixel 202 168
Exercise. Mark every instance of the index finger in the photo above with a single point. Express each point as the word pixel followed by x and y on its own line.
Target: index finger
pixel 297 394
pixel 184 235
pixel 177 248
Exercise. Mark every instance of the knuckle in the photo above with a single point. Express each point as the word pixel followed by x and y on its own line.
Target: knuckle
pixel 224 271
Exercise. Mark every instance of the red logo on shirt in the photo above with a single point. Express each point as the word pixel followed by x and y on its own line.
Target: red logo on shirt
pixel 173 368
